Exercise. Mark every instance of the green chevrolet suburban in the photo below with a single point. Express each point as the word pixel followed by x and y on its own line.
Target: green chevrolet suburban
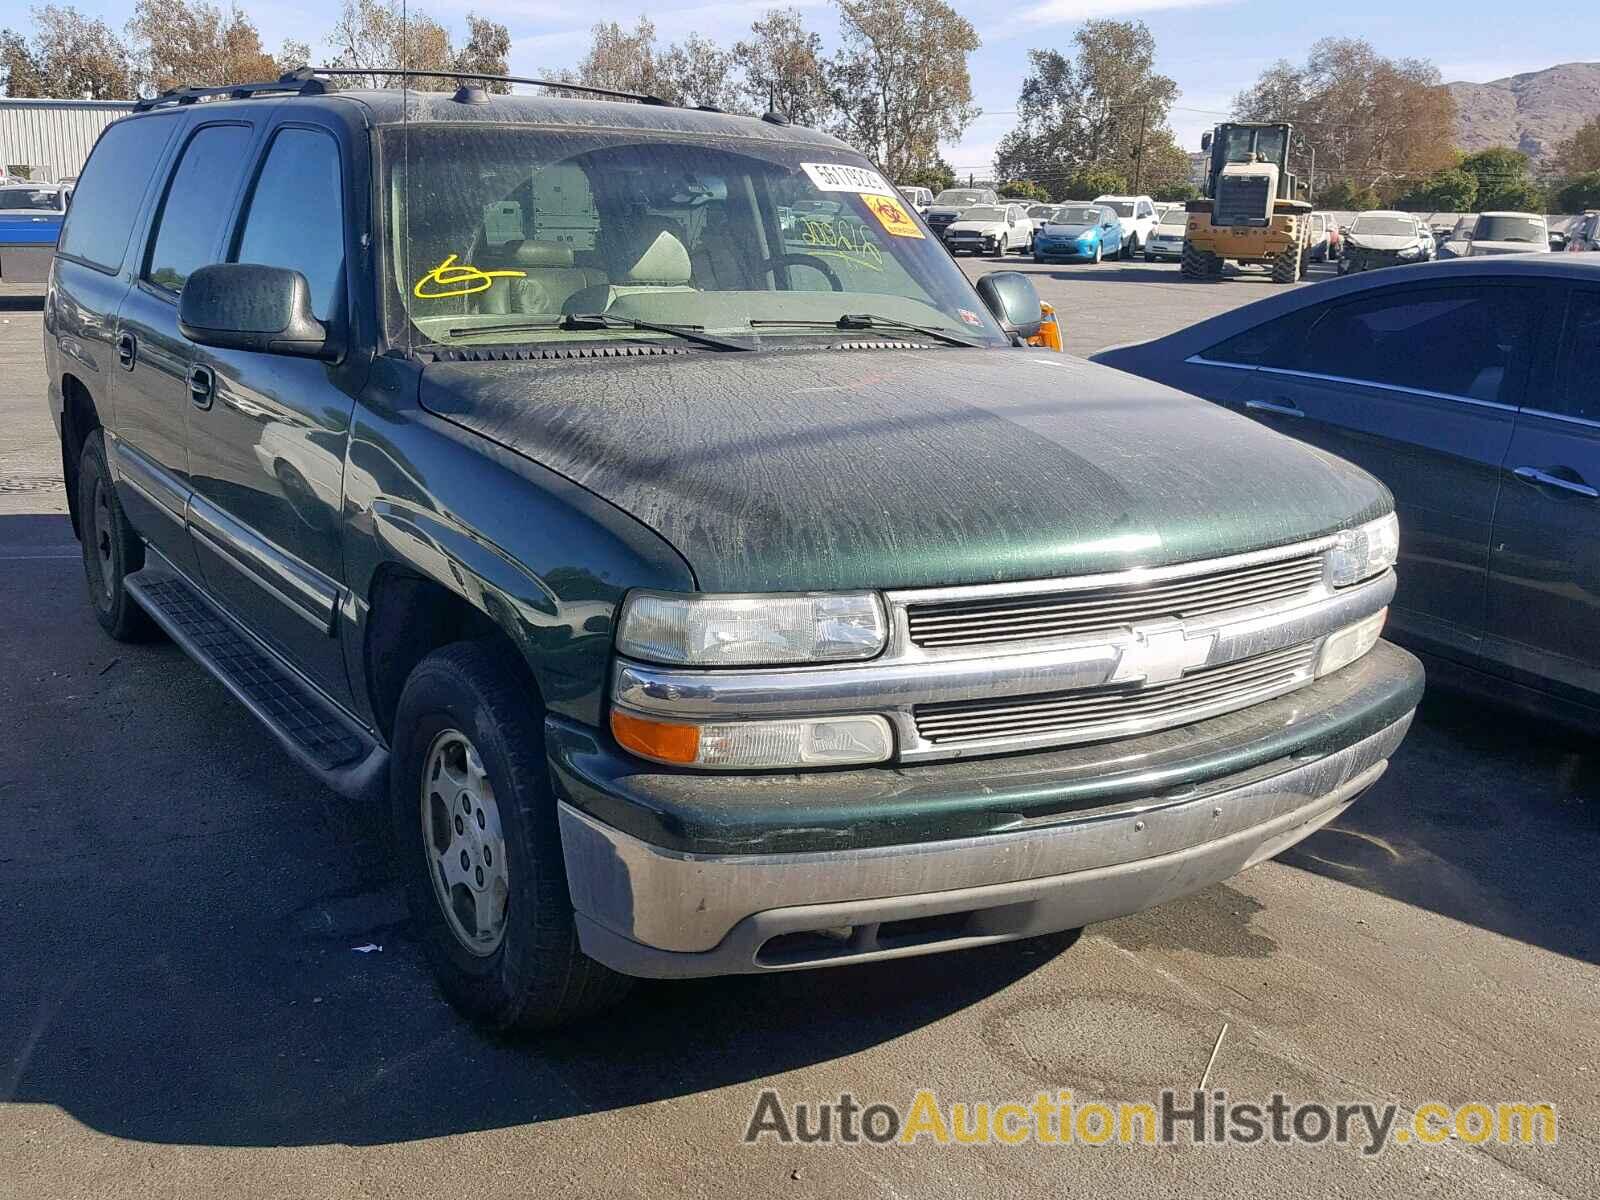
pixel 639 504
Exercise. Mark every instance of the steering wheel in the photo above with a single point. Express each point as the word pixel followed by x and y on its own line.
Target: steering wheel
pixel 806 260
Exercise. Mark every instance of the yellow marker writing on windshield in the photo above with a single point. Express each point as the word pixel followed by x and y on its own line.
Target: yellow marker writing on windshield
pixel 450 279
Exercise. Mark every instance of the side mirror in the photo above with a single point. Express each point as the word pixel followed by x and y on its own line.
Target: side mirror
pixel 242 306
pixel 1205 140
pixel 1558 241
pixel 1011 297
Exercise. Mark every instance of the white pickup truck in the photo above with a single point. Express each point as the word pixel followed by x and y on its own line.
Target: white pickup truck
pixel 1139 218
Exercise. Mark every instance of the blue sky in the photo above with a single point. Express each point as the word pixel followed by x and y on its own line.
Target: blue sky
pixel 1212 48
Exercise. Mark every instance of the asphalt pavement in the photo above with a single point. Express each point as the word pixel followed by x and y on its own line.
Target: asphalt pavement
pixel 190 1004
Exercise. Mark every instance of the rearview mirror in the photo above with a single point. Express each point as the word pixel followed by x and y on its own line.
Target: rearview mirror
pixel 243 306
pixel 1011 297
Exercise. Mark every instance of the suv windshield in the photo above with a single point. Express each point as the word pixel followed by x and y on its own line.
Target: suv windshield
pixel 30 198
pixel 957 197
pixel 1510 229
pixel 497 234
pixel 1121 207
pixel 1384 226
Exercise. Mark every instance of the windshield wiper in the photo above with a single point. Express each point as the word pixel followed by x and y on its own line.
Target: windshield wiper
pixel 577 321
pixel 689 333
pixel 868 321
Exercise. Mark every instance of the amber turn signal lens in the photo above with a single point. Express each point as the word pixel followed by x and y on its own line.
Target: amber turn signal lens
pixel 664 741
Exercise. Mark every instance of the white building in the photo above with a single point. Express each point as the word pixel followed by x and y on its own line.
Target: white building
pixel 50 139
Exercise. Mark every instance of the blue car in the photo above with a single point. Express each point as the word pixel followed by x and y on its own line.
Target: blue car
pixel 30 222
pixel 1090 231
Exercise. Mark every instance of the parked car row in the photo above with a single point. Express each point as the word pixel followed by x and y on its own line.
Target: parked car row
pixel 1582 234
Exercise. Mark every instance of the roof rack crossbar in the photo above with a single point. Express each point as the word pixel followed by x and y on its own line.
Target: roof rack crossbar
pixel 311 81
pixel 416 73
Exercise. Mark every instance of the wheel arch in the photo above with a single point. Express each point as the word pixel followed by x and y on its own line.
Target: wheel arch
pixel 79 418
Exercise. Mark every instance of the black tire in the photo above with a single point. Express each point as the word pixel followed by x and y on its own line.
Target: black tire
pixel 111 549
pixel 1200 264
pixel 1099 252
pixel 1000 250
pixel 536 977
pixel 1289 266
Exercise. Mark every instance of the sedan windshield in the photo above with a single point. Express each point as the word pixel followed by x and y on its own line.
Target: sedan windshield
pixel 1384 227
pixel 511 234
pixel 1175 218
pixel 1510 229
pixel 1076 215
pixel 31 198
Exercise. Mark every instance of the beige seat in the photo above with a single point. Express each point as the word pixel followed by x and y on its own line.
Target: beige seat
pixel 646 260
pixel 717 266
pixel 549 278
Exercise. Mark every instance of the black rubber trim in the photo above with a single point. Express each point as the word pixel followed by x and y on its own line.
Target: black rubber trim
pixel 722 813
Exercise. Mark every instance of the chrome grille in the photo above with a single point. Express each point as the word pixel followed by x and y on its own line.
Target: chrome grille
pixel 1087 713
pixel 1093 610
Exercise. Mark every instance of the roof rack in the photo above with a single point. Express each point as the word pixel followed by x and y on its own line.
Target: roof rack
pixel 313 81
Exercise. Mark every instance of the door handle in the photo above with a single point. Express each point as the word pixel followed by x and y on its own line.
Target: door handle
pixel 127 351
pixel 202 386
pixel 1280 406
pixel 1544 478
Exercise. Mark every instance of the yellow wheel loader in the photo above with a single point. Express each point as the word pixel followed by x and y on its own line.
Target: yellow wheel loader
pixel 1257 210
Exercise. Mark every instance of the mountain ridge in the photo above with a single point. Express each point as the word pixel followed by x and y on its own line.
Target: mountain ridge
pixel 1534 111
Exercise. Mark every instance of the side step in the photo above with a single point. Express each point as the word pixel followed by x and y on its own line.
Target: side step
pixel 316 734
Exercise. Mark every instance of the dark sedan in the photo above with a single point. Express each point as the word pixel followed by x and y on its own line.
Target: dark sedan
pixel 1472 388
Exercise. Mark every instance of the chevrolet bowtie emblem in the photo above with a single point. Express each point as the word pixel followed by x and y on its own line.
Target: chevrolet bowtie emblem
pixel 1161 654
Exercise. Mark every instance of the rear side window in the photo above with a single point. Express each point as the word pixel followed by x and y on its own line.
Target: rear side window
pixel 300 177
pixel 1276 343
pixel 1471 341
pixel 197 204
pixel 105 201
pixel 1579 392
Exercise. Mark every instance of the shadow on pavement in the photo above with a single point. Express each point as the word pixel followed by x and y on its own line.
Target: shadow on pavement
pixel 1486 816
pixel 21 303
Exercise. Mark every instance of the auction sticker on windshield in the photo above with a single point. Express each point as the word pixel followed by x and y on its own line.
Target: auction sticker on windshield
pixel 893 217
pixel 840 177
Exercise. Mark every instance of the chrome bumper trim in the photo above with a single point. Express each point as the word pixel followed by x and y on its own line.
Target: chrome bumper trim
pixel 647 910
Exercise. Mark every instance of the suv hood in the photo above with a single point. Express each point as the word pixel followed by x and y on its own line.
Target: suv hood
pixel 1510 248
pixel 788 470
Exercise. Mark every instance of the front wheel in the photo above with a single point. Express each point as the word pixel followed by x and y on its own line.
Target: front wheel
pixel 1000 250
pixel 478 849
pixel 1099 252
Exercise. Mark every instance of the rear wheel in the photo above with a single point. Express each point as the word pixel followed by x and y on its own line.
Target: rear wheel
pixel 111 549
pixel 478 849
pixel 1200 264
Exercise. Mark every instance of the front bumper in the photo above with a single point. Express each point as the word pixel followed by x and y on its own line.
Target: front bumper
pixel 1032 843
pixel 1072 249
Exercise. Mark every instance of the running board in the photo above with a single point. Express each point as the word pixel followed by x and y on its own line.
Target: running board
pixel 316 734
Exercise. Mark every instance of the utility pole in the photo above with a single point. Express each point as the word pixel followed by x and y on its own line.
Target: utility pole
pixel 1138 153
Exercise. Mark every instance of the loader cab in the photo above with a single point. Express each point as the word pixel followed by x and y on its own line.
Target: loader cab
pixel 1249 172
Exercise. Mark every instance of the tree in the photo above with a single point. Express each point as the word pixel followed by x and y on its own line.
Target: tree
pixel 1580 153
pixel 1103 109
pixel 373 35
pixel 71 56
pixel 1367 118
pixel 1454 190
pixel 1176 193
pixel 1022 189
pixel 935 176
pixel 900 81
pixel 622 60
pixel 700 72
pixel 1503 181
pixel 1580 193
pixel 182 42
pixel 783 68
pixel 1344 196
pixel 1089 183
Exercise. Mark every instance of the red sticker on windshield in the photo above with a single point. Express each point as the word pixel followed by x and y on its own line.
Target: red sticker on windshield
pixel 970 317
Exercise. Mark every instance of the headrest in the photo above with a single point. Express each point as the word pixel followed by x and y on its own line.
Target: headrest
pixel 652 257
pixel 542 254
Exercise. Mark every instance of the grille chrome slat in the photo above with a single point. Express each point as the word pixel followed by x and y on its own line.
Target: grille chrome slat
pixel 1204 692
pixel 981 622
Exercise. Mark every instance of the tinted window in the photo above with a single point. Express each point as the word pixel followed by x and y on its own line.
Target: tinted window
pixel 197 204
pixel 1275 343
pixel 105 201
pixel 296 215
pixel 1579 393
pixel 1462 341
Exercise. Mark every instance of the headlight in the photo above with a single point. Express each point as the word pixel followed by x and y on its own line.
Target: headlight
pixel 1364 551
pixel 1411 252
pixel 756 745
pixel 1350 643
pixel 773 629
